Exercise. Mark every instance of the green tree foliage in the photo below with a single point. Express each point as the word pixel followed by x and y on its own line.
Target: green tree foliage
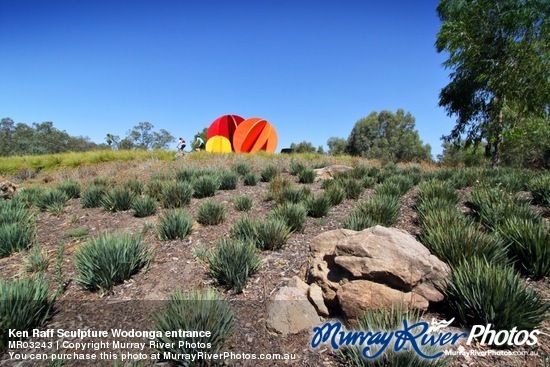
pixel 336 146
pixel 498 56
pixel 455 155
pixel 388 136
pixel 142 136
pixel 43 138
pixel 303 147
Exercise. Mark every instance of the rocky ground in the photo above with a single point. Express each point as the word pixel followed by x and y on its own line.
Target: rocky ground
pixel 175 266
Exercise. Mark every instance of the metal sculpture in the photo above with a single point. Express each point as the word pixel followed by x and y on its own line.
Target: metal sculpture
pixel 233 133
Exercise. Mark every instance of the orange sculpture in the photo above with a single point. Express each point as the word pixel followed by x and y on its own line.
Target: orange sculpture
pixel 232 132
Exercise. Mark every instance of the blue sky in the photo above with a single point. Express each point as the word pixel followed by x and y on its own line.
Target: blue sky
pixel 310 67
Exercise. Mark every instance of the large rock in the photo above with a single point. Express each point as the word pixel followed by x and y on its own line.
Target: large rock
pixel 374 268
pixel 290 312
pixel 329 171
pixel 7 189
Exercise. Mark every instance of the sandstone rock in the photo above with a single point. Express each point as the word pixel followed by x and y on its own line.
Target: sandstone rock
pixel 298 283
pixel 290 312
pixel 329 171
pixel 7 189
pixel 315 295
pixel 358 296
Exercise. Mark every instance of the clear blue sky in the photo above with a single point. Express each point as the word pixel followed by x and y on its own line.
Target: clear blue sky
pixel 310 67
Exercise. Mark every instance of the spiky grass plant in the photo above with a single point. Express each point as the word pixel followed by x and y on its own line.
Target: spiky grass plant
pixel 29 196
pixel 205 186
pixel 540 189
pixel 36 260
pixel 228 180
pixel 211 212
pixel 241 168
pixel 368 182
pixel 306 176
pixel 117 199
pixel 91 196
pixel 296 167
pixel 390 319
pixel 174 223
pixel 154 188
pixel 357 222
pixel 52 199
pixel 103 181
pixel 185 174
pixel 110 259
pixel 245 229
pixel 176 194
pixel 276 187
pixel 318 206
pixel 482 293
pixel 24 305
pixel 144 206
pixel 294 215
pixel 17 228
pixel 434 189
pixel 194 310
pixel 243 203
pixel 233 262
pixel 71 188
pixel 335 193
pixel 383 209
pixel 134 185
pixel 272 234
pixel 528 245
pixel 292 194
pixel 250 179
pixel 269 172
pixel 353 187
pixel 397 185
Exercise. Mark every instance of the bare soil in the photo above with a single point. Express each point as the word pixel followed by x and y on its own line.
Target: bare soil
pixel 175 266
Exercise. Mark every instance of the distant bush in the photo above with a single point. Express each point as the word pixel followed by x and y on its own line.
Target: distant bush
pixel 233 262
pixel 174 223
pixel 480 293
pixel 205 186
pixel 144 206
pixel 195 310
pixel 176 194
pixel 294 215
pixel 211 212
pixel 110 259
pixel 118 199
pixel 243 203
pixel 296 167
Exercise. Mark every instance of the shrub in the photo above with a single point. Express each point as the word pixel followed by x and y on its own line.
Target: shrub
pixel 109 259
pixel 540 189
pixel 176 194
pixel 233 262
pixel 268 173
pixel 243 203
pixel 36 260
pixel 292 194
pixel 388 188
pixel 241 168
pixel 103 181
pixel 185 174
pixel 134 185
pixel 358 222
pixel 245 229
pixel 17 228
pixel 118 199
pixel 205 186
pixel 92 196
pixel 211 212
pixel 29 196
pixel 368 182
pixel 144 206
pixel 296 167
pixel 71 188
pixel 250 179
pixel 24 305
pixel 306 176
pixel 336 194
pixel 434 189
pixel 318 206
pixel 174 223
pixel 154 188
pixel 51 200
pixel 353 188
pixel 294 215
pixel 483 293
pixel 528 244
pixel 276 187
pixel 272 234
pixel 195 310
pixel 228 180
pixel 382 208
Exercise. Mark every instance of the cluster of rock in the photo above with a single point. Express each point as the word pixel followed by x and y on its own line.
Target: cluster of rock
pixel 7 189
pixel 349 272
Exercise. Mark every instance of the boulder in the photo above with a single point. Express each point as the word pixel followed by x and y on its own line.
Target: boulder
pixel 329 171
pixel 7 189
pixel 289 312
pixel 315 296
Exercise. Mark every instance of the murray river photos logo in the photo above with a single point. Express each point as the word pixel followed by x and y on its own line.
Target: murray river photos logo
pixel 422 337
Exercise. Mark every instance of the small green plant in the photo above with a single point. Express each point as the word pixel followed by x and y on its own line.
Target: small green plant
pixel 306 176
pixel 481 293
pixel 353 187
pixel 29 196
pixel 397 185
pixel 185 174
pixel 52 200
pixel 174 223
pixel 296 167
pixel 144 206
pixel 250 179
pixel 383 209
pixel 154 188
pixel 233 262
pixel 211 212
pixel 357 222
pixel 71 188
pixel 194 310
pixel 318 206
pixel 76 232
pixel 432 189
pixel 228 180
pixel 276 187
pixel 272 234
pixel 368 182
pixel 109 259
pixel 294 215
pixel 24 305
pixel 243 203
pixel 529 245
pixel 335 193
pixel 269 172
pixel 292 194
pixel 241 168
pixel 176 194
pixel 36 260
pixel 118 199
pixel 91 197
pixel 103 181
pixel 17 228
pixel 134 185
pixel 205 186
pixel 540 189
pixel 245 229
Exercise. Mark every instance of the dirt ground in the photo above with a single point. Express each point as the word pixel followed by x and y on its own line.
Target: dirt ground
pixel 175 266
